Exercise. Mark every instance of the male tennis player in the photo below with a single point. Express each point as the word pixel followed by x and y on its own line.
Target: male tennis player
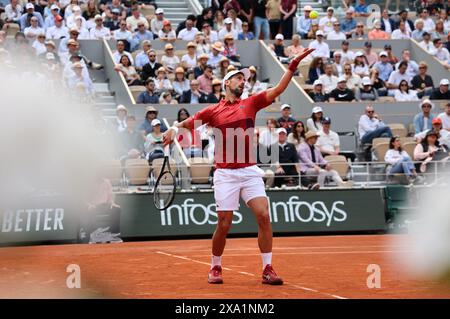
pixel 237 174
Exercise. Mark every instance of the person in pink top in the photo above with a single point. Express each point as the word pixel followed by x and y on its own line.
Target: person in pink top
pixel 377 33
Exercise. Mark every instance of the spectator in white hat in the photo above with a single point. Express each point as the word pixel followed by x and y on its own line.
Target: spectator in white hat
pixel 326 23
pixel 314 123
pixel 71 20
pixel 99 31
pixel 278 46
pixel 321 48
pixel 50 19
pixel 156 24
pixel 153 142
pixel 342 93
pixel 304 22
pixel 286 121
pixel 361 66
pixel 423 120
pixel 329 80
pixel 80 80
pixel 442 92
pixel 383 66
pixel 120 122
pixel 367 92
pixel 24 20
pixel 228 29
pixel 317 94
pixel 39 44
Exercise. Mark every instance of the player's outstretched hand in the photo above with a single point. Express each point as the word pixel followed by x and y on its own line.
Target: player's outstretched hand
pixel 299 57
pixel 168 136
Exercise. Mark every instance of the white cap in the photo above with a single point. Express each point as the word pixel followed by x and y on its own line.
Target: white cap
pixel 319 32
pixel 245 72
pixel 426 101
pixel 284 106
pixel 228 21
pixel 366 81
pixel 159 10
pixel 121 107
pixel 351 10
pixel 317 82
pixel 29 6
pixel 279 36
pixel 281 130
pixel 54 7
pixel 337 52
pixel 76 8
pixel 97 17
pixel 359 53
pixel 383 53
pixel 317 109
pixel 330 8
pixel 307 8
pixel 444 82
pixel 377 22
pixel 156 122
pixel 50 56
pixel 342 78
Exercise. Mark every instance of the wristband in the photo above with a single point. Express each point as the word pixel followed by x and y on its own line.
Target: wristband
pixel 293 65
pixel 175 129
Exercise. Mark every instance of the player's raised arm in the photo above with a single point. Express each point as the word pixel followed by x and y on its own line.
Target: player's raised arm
pixel 172 131
pixel 274 92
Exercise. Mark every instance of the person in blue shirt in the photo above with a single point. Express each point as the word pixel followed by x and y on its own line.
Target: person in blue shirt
pixel 423 120
pixel 383 66
pixel 246 34
pixel 304 23
pixel 141 35
pixel 148 96
pixel 361 9
pixel 348 24
pixel 146 126
pixel 24 20
pixel 142 57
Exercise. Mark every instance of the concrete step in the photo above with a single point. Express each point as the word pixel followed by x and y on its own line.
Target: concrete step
pixel 171 4
pixel 101 87
pixel 174 15
pixel 176 10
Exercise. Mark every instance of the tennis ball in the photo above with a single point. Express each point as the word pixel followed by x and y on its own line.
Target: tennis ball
pixel 313 14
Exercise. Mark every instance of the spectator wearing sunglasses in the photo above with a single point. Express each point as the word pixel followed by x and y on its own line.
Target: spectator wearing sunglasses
pixel 370 126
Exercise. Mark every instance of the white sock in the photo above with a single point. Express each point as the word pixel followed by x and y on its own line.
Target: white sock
pixel 216 261
pixel 267 259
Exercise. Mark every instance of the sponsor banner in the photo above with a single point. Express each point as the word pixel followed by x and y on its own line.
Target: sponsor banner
pixel 52 218
pixel 290 211
pixel 41 218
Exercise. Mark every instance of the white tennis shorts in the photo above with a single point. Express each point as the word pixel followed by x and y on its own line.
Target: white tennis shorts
pixel 230 184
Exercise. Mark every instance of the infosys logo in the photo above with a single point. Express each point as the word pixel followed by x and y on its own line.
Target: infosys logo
pixel 291 211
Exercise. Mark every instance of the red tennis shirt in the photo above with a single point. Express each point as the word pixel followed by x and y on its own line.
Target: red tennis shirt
pixel 233 125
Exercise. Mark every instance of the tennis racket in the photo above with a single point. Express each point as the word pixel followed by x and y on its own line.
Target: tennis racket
pixel 164 192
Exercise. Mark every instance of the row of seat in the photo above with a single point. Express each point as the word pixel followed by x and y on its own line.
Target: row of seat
pixel 138 171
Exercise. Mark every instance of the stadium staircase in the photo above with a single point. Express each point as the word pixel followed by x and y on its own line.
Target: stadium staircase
pixel 175 11
pixel 105 99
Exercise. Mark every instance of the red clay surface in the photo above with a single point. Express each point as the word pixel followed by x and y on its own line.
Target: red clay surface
pixel 313 267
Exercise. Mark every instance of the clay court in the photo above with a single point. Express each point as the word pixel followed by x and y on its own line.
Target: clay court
pixel 312 267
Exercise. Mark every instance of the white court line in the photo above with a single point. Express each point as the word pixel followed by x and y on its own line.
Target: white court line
pixel 320 253
pixel 294 248
pixel 253 275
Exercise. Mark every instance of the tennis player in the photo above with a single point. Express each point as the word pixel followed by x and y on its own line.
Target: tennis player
pixel 236 174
